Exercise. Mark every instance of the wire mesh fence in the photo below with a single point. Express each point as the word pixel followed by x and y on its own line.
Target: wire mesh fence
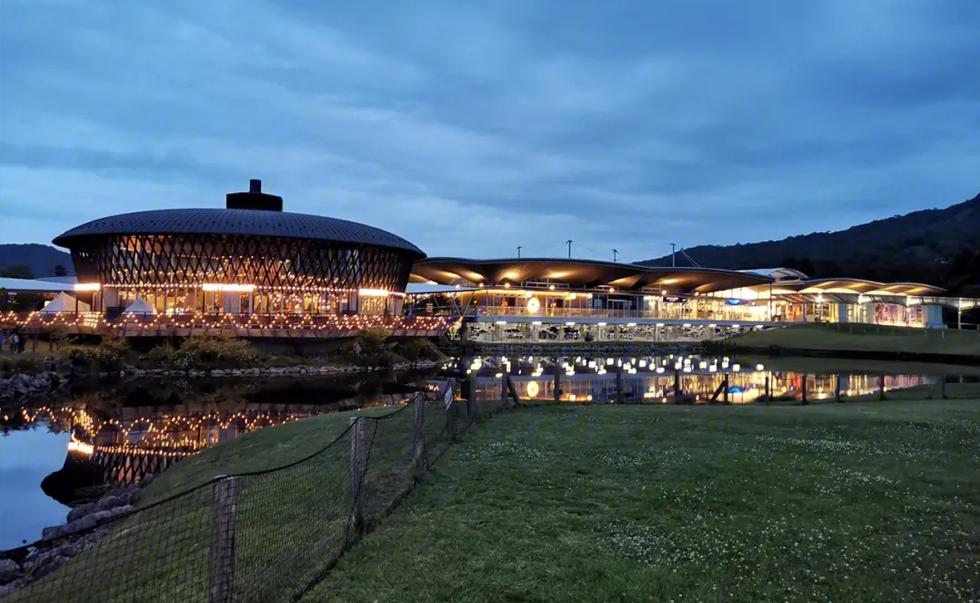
pixel 260 536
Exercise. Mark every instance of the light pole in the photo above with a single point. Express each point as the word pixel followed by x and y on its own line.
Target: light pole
pixel 673 254
pixel 519 247
pixel 569 243
pixel 615 255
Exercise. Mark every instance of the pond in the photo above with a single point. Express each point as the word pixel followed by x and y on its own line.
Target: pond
pixel 63 452
pixel 60 453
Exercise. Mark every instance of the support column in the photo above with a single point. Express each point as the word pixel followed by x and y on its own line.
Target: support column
pixel 837 395
pixel 804 390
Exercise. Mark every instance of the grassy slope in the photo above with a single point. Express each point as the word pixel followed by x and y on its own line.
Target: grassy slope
pixel 865 338
pixel 852 502
pixel 256 451
pixel 289 524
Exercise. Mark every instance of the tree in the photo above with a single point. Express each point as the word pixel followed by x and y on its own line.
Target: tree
pixel 806 267
pixel 60 270
pixel 17 272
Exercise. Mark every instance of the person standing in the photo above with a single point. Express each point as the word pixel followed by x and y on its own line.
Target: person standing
pixel 14 343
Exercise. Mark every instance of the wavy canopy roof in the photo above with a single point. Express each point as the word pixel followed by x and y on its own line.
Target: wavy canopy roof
pixel 581 274
pixel 243 222
pixel 854 285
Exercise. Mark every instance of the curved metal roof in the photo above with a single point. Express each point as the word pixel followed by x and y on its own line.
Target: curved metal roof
pixel 587 274
pixel 245 222
pixel 857 285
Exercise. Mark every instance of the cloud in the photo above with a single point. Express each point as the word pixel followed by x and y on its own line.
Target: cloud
pixel 473 129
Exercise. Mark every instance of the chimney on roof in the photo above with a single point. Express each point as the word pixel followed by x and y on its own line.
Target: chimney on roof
pixel 254 199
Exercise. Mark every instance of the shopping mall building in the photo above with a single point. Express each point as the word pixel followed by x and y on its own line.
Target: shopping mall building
pixel 248 269
pixel 556 300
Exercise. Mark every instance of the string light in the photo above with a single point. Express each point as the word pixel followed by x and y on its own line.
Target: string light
pixel 322 325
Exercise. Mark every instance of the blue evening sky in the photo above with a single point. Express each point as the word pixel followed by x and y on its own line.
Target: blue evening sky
pixel 473 127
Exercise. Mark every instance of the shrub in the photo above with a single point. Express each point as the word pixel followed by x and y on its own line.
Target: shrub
pixel 58 334
pixel 19 364
pixel 370 348
pixel 161 355
pixel 109 355
pixel 419 349
pixel 208 351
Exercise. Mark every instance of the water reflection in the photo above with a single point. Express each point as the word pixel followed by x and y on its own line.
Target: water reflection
pixel 121 434
pixel 679 378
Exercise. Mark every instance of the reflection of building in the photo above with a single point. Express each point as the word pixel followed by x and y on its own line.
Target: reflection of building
pixel 540 300
pixel 250 258
pixel 661 378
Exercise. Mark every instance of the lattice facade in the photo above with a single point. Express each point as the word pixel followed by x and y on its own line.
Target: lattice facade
pixel 266 262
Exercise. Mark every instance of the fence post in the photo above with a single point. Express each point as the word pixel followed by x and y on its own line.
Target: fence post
pixel 503 389
pixel 356 473
pixel 942 387
pixel 724 384
pixel 677 385
pixel 557 384
pixel 881 387
pixel 451 421
pixel 471 406
pixel 804 389
pixel 224 511
pixel 768 392
pixel 837 395
pixel 418 431
pixel 619 385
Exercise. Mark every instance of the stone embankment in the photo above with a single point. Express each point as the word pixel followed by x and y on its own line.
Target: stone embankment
pixel 83 528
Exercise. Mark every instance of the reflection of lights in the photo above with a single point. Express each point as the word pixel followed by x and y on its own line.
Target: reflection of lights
pixel 533 389
pixel 759 367
pixel 81 447
pixel 533 305
pixel 736 367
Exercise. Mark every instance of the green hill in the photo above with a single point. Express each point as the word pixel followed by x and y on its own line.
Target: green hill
pixel 936 246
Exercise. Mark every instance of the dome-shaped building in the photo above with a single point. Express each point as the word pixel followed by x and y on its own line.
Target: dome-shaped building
pixel 249 258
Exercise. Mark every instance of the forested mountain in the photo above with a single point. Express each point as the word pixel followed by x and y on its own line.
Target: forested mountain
pixel 936 246
pixel 41 260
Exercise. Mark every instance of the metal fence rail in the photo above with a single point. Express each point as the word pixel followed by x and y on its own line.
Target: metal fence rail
pixel 261 536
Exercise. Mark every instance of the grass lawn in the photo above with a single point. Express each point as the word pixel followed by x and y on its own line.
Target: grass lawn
pixel 865 338
pixel 256 451
pixel 833 502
